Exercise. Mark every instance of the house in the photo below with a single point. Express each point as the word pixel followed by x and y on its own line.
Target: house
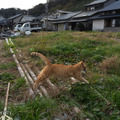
pixel 48 20
pixel 3 22
pixel 82 21
pixel 108 18
pixel 60 13
pixel 26 18
pixel 20 19
pixel 2 18
pixel 62 23
pixel 98 4
pixel 14 20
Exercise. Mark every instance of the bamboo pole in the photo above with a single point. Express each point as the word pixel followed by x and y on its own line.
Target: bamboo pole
pixel 6 100
pixel 43 90
pixel 31 92
pixel 31 80
pixel 5 116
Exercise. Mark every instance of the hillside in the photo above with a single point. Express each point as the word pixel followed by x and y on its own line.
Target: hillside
pixel 11 12
pixel 68 5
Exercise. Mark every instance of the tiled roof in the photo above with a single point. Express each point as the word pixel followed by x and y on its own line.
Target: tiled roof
pixel 2 18
pixel 96 2
pixel 113 6
pixel 85 14
pixel 62 11
pixel 13 17
pixel 67 16
pixel 27 18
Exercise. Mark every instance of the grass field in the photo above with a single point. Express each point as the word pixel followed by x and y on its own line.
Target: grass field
pixel 101 53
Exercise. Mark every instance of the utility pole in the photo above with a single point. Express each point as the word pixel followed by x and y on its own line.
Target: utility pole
pixel 46 7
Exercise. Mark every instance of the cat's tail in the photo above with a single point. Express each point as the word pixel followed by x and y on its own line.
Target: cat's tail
pixel 46 60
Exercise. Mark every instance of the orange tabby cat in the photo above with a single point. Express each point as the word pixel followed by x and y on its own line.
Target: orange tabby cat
pixel 59 70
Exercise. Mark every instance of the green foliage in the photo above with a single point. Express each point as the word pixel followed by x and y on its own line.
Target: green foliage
pixel 10 12
pixel 6 77
pixel 20 82
pixel 83 93
pixel 1 106
pixel 6 66
pixel 36 109
pixel 94 106
pixel 70 5
pixel 37 10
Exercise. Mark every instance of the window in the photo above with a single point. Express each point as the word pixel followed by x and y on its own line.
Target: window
pixel 113 12
pixel 92 8
pixel 102 13
pixel 27 25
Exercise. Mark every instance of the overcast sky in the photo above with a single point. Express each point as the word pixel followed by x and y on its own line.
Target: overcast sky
pixel 22 4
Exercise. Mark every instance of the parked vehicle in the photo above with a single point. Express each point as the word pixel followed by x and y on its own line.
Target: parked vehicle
pixel 17 27
pixel 30 27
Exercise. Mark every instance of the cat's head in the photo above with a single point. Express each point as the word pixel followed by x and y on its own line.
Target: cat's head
pixel 83 67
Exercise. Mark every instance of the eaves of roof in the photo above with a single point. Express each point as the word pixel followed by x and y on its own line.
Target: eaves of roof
pixel 79 20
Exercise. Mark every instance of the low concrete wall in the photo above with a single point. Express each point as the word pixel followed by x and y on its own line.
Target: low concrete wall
pixel 112 29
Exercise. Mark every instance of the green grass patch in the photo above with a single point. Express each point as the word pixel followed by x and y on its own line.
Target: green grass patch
pixel 7 77
pixel 1 106
pixel 6 66
pixel 36 109
pixel 20 82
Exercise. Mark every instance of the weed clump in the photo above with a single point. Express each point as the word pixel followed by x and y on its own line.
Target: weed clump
pixel 20 82
pixel 6 66
pixel 5 77
pixel 36 109
pixel 111 65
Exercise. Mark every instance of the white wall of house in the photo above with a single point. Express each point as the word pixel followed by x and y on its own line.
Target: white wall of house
pixel 98 25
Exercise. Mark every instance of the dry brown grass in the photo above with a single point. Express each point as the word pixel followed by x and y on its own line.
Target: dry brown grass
pixel 110 64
